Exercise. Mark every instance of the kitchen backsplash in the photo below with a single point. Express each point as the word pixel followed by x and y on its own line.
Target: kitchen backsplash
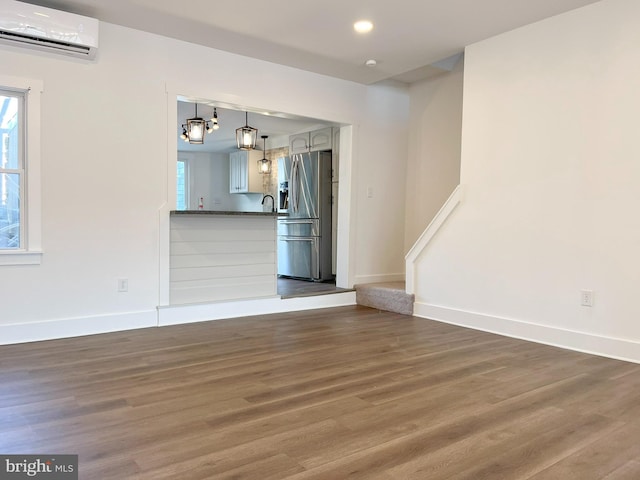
pixel 270 184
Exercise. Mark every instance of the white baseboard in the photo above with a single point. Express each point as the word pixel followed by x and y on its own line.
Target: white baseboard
pixel 380 278
pixel 616 348
pixel 76 327
pixel 169 315
pixel 179 314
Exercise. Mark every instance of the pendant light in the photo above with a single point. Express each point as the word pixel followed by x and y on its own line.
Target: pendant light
pixel 193 131
pixel 196 128
pixel 214 120
pixel 264 165
pixel 246 136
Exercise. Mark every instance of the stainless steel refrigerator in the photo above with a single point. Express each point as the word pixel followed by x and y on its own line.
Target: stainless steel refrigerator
pixel 304 227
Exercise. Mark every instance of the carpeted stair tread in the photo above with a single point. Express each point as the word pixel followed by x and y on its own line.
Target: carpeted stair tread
pixel 388 296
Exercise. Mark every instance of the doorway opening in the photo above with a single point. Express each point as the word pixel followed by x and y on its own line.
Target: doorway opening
pixel 199 183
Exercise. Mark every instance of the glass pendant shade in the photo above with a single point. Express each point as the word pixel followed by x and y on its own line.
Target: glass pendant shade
pixel 196 127
pixel 195 130
pixel 246 136
pixel 264 166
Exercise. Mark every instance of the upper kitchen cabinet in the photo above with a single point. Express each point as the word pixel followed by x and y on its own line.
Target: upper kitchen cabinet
pixel 299 143
pixel 321 139
pixel 244 176
pixel 311 141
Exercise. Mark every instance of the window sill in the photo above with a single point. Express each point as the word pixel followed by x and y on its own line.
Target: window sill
pixel 20 257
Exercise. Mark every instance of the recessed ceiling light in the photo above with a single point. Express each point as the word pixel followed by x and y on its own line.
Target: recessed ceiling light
pixel 371 63
pixel 363 26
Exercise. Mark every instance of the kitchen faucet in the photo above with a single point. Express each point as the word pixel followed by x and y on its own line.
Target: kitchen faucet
pixel 273 202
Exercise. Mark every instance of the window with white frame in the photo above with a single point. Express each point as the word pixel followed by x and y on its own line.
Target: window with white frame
pixel 12 169
pixel 20 204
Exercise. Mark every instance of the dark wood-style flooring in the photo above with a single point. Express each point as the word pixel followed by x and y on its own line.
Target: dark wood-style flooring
pixel 292 287
pixel 344 393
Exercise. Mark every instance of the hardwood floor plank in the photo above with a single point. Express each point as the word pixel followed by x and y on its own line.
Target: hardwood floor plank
pixel 268 431
pixel 271 468
pixel 111 468
pixel 526 458
pixel 598 459
pixel 348 392
pixel 391 453
pixel 463 454
pixel 628 471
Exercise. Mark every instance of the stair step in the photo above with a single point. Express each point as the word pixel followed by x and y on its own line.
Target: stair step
pixel 388 296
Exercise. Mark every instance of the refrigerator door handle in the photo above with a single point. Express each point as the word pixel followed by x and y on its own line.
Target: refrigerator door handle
pixel 296 239
pixel 292 183
pixel 295 183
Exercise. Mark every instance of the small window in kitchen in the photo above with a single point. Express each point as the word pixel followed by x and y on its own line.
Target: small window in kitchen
pixel 19 171
pixel 182 191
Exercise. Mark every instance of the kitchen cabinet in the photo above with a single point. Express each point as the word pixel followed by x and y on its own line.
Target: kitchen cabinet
pixel 311 141
pixel 321 139
pixel 244 176
pixel 299 143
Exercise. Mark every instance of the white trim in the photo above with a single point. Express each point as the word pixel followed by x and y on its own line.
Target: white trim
pixel 423 241
pixel 164 220
pixel 76 327
pixel 168 315
pixel 32 252
pixel 347 201
pixel 618 348
pixel 379 278
pixel 20 257
pixel 179 314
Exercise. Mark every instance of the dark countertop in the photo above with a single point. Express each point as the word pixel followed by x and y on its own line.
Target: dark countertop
pixel 223 212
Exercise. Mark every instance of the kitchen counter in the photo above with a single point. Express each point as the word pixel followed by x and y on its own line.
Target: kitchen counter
pixel 223 212
pixel 221 256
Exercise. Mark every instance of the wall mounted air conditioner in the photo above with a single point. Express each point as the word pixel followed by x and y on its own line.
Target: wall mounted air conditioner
pixel 40 28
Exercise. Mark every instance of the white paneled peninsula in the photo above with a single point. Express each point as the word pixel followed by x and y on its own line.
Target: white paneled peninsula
pixel 219 256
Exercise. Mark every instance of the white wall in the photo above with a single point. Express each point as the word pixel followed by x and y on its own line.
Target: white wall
pixel 200 178
pixel 105 154
pixel 433 168
pixel 551 173
pixel 379 175
pixel 209 179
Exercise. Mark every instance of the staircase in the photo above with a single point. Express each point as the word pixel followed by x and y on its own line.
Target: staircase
pixel 390 296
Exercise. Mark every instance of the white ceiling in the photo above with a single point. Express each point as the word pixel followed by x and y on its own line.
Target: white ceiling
pixel 408 38
pixel 411 40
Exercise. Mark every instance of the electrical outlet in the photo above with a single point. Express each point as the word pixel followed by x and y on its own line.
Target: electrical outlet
pixel 586 298
pixel 123 285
